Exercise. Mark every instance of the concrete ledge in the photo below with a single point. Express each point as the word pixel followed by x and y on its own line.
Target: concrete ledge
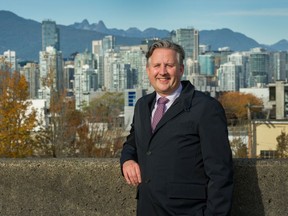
pixel 33 187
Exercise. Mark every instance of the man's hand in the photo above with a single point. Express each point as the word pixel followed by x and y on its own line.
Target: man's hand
pixel 131 171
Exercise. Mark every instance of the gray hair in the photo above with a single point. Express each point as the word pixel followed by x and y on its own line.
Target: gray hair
pixel 169 45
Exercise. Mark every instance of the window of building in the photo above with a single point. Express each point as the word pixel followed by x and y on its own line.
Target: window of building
pixel 268 154
pixel 272 93
pixel 131 98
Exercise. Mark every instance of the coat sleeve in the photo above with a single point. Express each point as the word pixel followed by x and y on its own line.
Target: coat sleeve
pixel 129 151
pixel 217 158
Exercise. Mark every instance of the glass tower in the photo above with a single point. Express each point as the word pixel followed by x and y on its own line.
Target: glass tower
pixel 50 35
pixel 259 68
pixel 188 38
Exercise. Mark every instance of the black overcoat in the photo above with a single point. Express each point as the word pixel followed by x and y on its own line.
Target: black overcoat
pixel 186 164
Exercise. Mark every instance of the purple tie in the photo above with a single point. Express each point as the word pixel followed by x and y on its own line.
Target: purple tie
pixel 159 111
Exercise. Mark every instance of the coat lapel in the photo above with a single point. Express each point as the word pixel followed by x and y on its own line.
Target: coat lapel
pixel 181 104
pixel 146 111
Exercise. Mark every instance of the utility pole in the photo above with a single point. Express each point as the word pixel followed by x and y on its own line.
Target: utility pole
pixel 251 141
pixel 248 106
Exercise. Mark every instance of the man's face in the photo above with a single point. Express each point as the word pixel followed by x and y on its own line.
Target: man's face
pixel 164 71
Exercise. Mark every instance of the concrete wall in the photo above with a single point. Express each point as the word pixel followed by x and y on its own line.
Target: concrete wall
pixel 35 187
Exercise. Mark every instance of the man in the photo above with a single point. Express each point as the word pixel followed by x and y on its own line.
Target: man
pixel 184 165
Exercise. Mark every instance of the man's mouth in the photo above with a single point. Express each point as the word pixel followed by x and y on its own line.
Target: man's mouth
pixel 163 78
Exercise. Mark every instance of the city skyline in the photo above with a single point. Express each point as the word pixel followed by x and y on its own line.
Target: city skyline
pixel 261 20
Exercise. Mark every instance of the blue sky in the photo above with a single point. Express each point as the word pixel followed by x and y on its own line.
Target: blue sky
pixel 266 21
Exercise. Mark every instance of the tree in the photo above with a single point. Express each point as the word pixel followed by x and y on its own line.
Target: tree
pixel 239 149
pixel 17 122
pixel 235 104
pixel 64 121
pixel 282 146
pixel 63 117
pixel 106 108
pixel 101 134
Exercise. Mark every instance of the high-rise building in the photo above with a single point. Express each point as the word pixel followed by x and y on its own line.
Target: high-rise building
pixel 206 64
pixel 188 38
pixel 31 73
pixel 99 48
pixel 258 67
pixel 51 73
pixel 228 75
pixel 242 60
pixel 98 52
pixel 69 77
pixel 110 58
pixel 108 43
pixel 85 78
pixel 50 35
pixel 10 60
pixel 135 56
pixel 279 69
pixel 185 38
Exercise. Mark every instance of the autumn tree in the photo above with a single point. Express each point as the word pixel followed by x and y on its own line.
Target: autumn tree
pixel 102 135
pixel 88 133
pixel 64 123
pixel 63 117
pixel 106 108
pixel 17 119
pixel 236 104
pixel 282 145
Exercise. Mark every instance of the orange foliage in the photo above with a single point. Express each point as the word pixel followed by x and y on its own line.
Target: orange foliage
pixel 235 104
pixel 16 123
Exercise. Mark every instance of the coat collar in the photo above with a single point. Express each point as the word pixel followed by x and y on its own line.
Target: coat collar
pixel 185 98
pixel 182 103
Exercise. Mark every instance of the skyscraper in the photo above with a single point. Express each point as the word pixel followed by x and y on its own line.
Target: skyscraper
pixel 99 48
pixel 11 60
pixel 31 73
pixel 207 64
pixel 51 73
pixel 228 75
pixel 259 67
pixel 188 38
pixel 279 69
pixel 85 78
pixel 50 35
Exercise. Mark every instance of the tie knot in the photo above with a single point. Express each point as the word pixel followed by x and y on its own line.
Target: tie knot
pixel 163 100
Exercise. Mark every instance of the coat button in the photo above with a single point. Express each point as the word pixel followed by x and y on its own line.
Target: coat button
pixel 147 181
pixel 148 153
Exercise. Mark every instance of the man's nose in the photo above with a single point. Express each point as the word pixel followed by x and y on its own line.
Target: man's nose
pixel 163 70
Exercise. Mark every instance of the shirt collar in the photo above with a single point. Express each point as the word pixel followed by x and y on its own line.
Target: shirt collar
pixel 173 96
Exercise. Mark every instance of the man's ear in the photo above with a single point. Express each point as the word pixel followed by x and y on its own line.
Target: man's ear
pixel 182 69
pixel 147 68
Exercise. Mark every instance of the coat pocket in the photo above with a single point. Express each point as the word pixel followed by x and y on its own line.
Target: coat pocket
pixel 186 191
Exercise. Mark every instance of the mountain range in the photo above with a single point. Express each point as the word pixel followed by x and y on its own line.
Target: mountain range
pixel 24 36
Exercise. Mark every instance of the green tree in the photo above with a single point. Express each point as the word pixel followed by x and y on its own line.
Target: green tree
pixel 17 119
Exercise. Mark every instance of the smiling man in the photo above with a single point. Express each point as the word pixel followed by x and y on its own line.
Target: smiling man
pixel 177 153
